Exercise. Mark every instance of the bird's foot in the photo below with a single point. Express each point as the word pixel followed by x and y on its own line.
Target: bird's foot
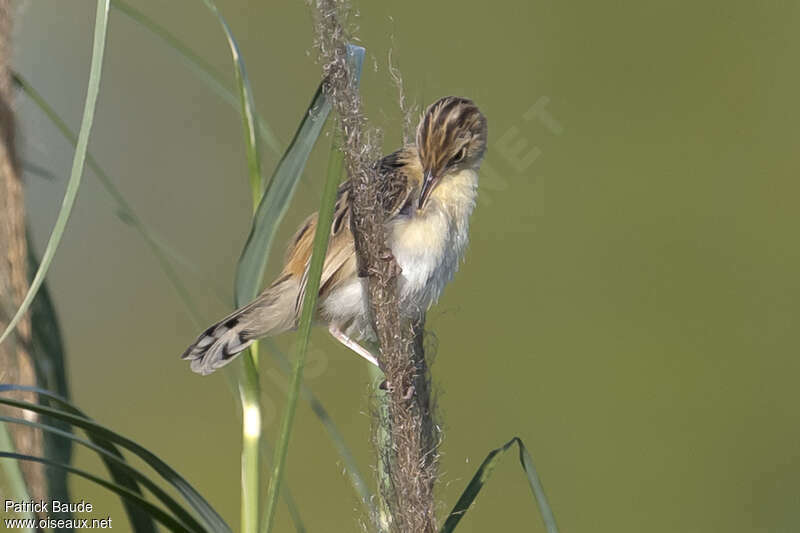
pixel 406 396
pixel 386 255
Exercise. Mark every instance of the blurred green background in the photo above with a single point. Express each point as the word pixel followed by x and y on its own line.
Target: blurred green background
pixel 630 300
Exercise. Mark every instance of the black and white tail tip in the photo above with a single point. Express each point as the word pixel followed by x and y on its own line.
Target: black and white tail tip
pixel 216 347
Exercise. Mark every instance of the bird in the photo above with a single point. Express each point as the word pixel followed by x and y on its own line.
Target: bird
pixel 430 190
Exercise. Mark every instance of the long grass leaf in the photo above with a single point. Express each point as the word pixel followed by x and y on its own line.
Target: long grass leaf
pixel 482 476
pixel 124 210
pixel 157 491
pixel 95 73
pixel 200 67
pixel 320 246
pixel 246 104
pixel 321 237
pixel 71 414
pixel 47 350
pixel 339 443
pixel 248 381
pixel 13 473
pixel 286 493
pixel 29 167
pixel 135 499
pixel 141 521
pixel 275 201
pixel 280 190
pixel 250 399
pixel 164 253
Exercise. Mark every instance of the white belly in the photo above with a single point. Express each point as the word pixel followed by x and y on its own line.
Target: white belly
pixel 428 249
pixel 427 245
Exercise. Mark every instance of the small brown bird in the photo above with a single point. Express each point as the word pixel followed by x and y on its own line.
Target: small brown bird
pixel 432 188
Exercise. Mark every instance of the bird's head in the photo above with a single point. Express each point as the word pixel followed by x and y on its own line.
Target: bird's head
pixel 451 137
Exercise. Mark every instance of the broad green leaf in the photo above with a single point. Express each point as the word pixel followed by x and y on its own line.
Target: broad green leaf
pixel 101 436
pixel 482 476
pixel 275 201
pixel 309 305
pixel 280 190
pixel 95 73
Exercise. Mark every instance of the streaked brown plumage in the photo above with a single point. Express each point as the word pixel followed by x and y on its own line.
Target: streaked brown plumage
pixel 430 191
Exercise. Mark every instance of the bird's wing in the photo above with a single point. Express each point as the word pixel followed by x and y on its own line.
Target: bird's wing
pixel 396 172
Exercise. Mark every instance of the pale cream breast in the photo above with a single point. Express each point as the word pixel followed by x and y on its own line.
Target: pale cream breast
pixel 429 243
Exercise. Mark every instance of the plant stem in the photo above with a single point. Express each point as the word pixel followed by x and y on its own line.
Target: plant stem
pixel 304 329
pixel 11 467
pixel 383 447
pixel 251 434
pixel 78 160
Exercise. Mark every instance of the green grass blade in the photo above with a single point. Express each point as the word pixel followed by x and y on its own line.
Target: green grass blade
pixel 526 461
pixel 280 190
pixel 135 499
pixel 100 434
pixel 95 73
pixel 355 56
pixel 124 210
pixel 250 399
pixel 247 107
pixel 276 199
pixel 339 443
pixel 47 345
pixel 140 520
pixel 482 476
pixel 200 67
pixel 165 254
pixel 13 474
pixel 286 493
pixel 248 381
pixel 29 167
pixel 321 237
pixel 157 491
pixel 47 350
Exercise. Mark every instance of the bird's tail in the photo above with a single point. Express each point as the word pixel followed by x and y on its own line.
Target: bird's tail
pixel 271 313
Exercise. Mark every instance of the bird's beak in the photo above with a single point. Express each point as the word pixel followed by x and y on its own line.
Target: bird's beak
pixel 427 187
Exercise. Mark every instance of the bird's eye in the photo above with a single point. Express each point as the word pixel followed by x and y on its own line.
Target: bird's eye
pixel 458 157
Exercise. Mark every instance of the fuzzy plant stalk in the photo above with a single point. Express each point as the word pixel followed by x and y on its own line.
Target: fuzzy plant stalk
pixel 409 464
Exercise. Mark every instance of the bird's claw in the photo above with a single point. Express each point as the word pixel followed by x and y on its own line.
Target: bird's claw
pixel 409 393
pixel 394 268
pixel 406 396
pixel 386 255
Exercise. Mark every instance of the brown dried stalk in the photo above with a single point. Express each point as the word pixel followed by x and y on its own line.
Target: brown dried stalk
pixel 410 468
pixel 16 363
